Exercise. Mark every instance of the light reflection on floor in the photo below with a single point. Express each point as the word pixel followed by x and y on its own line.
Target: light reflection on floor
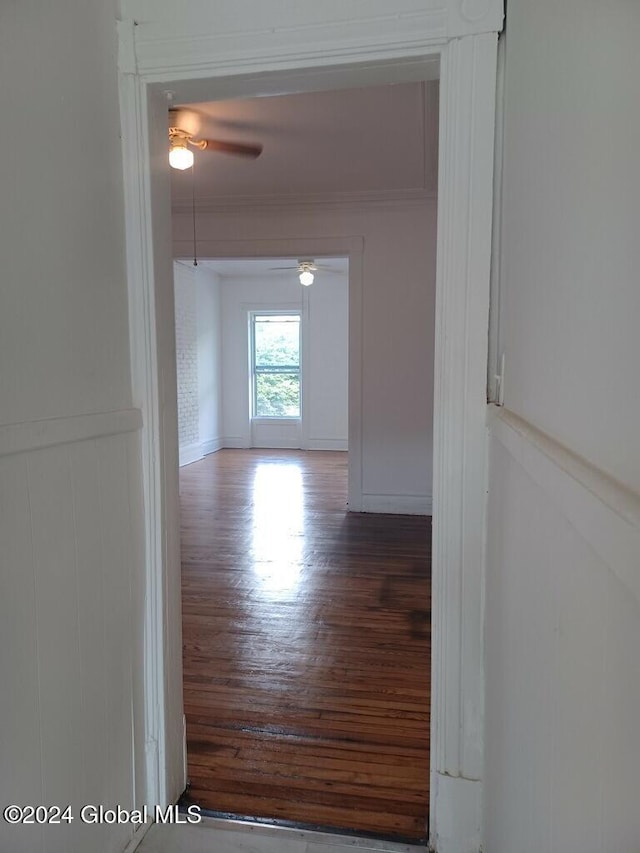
pixel 278 527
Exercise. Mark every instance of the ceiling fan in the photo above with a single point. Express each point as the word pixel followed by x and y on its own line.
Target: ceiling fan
pixel 306 268
pixel 183 132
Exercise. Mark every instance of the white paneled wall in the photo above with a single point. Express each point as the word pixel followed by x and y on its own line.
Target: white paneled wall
pixel 563 672
pixel 563 564
pixel 70 634
pixel 570 300
pixel 71 526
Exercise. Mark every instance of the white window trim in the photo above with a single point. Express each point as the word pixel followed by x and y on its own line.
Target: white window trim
pixel 276 419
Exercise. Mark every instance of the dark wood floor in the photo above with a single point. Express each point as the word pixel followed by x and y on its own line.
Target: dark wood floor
pixel 306 646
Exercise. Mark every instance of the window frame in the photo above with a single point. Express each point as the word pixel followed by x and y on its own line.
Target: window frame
pixel 291 370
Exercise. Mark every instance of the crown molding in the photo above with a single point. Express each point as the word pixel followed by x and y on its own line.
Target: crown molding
pixel 338 200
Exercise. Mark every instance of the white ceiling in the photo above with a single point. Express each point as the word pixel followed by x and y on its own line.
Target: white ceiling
pixel 261 267
pixel 371 139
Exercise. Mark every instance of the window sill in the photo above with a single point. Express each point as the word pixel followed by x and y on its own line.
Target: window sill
pixel 276 421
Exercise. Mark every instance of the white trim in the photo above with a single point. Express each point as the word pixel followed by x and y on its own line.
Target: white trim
pixel 265 420
pixel 279 443
pixel 374 38
pixel 35 435
pixel 211 446
pixel 328 444
pixel 234 442
pixel 495 379
pixel 189 453
pixel 605 513
pixel 306 376
pixel 198 56
pixel 467 105
pixel 458 805
pixel 397 504
pixel 138 837
pixel 146 391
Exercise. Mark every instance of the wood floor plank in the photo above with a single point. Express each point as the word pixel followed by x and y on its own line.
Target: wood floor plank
pixel 307 637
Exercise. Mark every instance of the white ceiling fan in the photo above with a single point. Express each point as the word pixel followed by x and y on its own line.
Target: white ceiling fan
pixel 306 268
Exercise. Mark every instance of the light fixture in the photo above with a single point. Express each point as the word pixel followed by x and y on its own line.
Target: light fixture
pixel 306 275
pixel 180 157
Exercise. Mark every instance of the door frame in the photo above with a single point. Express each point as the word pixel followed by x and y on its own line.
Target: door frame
pixel 466 46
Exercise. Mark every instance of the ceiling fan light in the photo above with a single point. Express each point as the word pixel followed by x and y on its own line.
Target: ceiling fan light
pixel 180 157
pixel 306 278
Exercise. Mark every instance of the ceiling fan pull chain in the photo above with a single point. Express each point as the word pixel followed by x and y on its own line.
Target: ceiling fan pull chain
pixel 193 209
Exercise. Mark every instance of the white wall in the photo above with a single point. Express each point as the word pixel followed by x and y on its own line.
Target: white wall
pixel 198 360
pixel 327 355
pixel 397 322
pixel 562 663
pixel 209 312
pixel 71 566
pixel 185 295
pixel 324 308
pixel 571 205
pixel 563 612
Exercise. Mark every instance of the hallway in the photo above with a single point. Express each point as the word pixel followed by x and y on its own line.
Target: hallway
pixel 306 636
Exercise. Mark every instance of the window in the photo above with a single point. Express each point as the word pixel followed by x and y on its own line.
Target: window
pixel 275 363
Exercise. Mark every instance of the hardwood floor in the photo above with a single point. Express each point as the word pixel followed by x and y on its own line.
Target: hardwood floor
pixel 306 646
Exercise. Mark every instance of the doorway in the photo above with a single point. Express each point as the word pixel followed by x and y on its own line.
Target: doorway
pixel 464 205
pixel 306 694
pixel 373 154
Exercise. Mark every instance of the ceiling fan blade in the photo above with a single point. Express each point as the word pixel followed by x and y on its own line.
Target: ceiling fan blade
pixel 240 148
pixel 283 268
pixel 330 269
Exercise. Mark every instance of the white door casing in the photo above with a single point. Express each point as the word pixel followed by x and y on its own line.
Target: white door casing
pixel 463 34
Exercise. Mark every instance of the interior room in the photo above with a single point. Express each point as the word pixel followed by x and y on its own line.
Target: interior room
pixel 305 518
pixel 534 468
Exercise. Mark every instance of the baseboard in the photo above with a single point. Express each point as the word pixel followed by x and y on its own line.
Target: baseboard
pixel 234 441
pixel 328 444
pixel 458 806
pixel 238 443
pixel 211 446
pixel 278 444
pixel 138 837
pixel 189 453
pixel 397 504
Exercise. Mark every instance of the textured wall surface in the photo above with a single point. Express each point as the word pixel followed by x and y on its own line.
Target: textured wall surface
pixel 186 354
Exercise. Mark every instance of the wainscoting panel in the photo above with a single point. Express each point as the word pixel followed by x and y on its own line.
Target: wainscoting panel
pixel 69 634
